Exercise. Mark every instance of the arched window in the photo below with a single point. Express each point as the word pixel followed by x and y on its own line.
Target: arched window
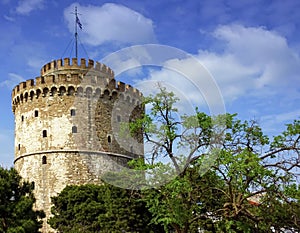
pixel 71 90
pixel 74 129
pixel 44 133
pixel 44 160
pixel 62 90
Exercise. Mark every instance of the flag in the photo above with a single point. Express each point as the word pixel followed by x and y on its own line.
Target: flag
pixel 78 22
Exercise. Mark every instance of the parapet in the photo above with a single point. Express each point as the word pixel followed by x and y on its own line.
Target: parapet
pixel 62 78
pixel 85 66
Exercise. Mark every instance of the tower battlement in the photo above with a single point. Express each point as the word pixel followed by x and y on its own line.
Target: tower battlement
pixel 67 64
pixel 59 78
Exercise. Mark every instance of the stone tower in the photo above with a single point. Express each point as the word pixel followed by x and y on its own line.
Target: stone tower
pixel 67 124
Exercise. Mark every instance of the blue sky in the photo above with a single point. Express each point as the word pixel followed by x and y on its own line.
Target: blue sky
pixel 251 48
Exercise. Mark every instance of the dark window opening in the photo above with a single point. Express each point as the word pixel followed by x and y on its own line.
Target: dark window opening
pixel 36 113
pixel 22 118
pixel 19 147
pixel 109 139
pixel 44 160
pixel 74 129
pixel 44 133
pixel 73 112
pixel 119 118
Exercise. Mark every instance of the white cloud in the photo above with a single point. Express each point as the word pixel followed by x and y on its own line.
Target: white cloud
pixel 111 23
pixel 253 59
pixel 14 79
pixel 254 63
pixel 9 18
pixel 26 6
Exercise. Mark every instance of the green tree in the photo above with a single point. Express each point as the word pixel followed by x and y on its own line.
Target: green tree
pixel 16 204
pixel 100 208
pixel 230 176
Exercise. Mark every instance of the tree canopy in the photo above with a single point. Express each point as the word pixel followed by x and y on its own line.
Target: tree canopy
pixel 231 177
pixel 16 204
pixel 100 208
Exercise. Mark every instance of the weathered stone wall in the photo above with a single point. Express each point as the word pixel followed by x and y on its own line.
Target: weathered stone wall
pixel 68 124
pixel 51 171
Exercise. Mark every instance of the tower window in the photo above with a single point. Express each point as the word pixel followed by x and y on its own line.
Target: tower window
pixel 36 113
pixel 19 147
pixel 22 117
pixel 74 129
pixel 73 112
pixel 119 118
pixel 44 133
pixel 44 160
pixel 109 139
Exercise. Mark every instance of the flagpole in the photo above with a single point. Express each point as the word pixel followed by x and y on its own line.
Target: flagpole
pixel 76 34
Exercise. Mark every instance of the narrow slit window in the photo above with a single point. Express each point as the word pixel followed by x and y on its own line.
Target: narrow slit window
pixel 74 129
pixel 36 113
pixel 19 147
pixel 109 139
pixel 22 118
pixel 73 112
pixel 119 118
pixel 44 160
pixel 44 133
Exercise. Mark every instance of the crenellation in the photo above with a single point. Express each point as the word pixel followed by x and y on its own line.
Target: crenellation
pixel 74 62
pixel 66 63
pixel 59 63
pixel 30 83
pixel 82 63
pixel 104 68
pixel 22 86
pixel 38 81
pixel 90 64
pixel 111 84
pixel 98 66
pixel 121 86
pixel 50 88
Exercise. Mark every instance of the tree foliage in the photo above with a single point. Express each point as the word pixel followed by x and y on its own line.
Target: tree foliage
pixel 100 208
pixel 16 204
pixel 231 176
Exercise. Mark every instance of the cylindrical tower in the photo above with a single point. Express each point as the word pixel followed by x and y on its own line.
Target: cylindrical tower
pixel 67 127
